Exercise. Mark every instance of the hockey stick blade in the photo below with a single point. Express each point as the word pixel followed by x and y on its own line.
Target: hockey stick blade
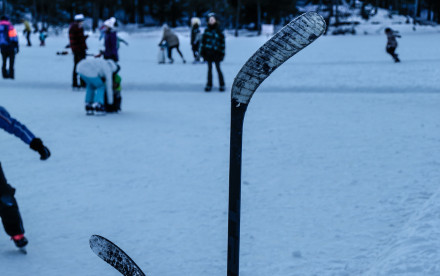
pixel 114 256
pixel 291 39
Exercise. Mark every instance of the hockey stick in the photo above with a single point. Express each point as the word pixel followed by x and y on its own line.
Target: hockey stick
pixel 114 256
pixel 291 39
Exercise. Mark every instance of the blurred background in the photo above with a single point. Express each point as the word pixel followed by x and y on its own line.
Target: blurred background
pixel 343 16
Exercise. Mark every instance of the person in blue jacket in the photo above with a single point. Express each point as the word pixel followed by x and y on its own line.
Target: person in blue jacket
pixel 9 211
pixel 8 46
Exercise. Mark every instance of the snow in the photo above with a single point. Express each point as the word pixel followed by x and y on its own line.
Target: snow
pixel 379 19
pixel 340 162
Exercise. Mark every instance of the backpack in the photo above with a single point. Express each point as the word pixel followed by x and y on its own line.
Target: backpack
pixel 4 35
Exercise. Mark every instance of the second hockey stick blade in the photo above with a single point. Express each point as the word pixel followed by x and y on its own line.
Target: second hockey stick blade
pixel 114 256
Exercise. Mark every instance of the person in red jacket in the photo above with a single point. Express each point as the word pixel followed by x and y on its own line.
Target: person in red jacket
pixel 78 46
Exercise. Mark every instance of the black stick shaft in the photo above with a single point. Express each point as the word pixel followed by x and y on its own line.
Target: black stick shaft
pixel 237 118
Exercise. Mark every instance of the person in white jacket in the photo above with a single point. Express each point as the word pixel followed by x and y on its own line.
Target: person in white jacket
pixel 98 75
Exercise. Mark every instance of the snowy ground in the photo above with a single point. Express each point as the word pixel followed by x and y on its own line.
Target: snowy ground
pixel 340 163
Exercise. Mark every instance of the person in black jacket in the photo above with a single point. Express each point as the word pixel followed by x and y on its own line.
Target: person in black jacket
pixel 9 211
pixel 392 43
pixel 212 49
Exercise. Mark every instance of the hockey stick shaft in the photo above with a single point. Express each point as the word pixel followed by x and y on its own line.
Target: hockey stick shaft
pixel 294 37
pixel 237 119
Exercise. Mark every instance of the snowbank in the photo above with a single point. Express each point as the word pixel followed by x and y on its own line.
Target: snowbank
pixel 416 249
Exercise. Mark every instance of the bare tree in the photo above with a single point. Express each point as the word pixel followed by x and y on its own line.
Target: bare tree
pixel 237 17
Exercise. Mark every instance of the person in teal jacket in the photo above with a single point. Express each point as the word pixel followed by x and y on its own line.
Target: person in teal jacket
pixel 9 211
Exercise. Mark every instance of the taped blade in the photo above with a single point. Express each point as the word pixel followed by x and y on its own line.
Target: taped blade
pixel 114 256
pixel 291 39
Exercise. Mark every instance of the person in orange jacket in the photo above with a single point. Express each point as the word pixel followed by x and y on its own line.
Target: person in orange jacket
pixel 8 46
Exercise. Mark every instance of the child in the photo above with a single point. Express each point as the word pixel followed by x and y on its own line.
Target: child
pixel 392 43
pixel 117 98
pixel 195 38
pixel 43 35
pixel 172 42
pixel 161 55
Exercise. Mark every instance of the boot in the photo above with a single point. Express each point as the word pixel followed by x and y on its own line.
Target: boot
pixel 20 240
pixel 89 109
pixel 11 74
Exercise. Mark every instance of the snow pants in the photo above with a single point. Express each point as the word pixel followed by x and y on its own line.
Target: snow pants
pixel 195 48
pixel 77 57
pixel 391 51
pixel 178 51
pixel 8 72
pixel 9 208
pixel 219 72
pixel 28 37
pixel 95 91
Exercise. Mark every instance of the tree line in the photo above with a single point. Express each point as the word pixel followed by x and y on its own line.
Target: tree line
pixel 422 10
pixel 233 13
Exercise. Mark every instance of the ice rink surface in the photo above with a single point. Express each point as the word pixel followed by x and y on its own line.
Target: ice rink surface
pixel 340 162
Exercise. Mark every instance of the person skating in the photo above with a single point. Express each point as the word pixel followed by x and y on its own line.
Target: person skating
pixel 392 43
pixel 9 211
pixel 172 42
pixel 27 32
pixel 103 29
pixel 212 49
pixel 195 38
pixel 78 45
pixel 110 40
pixel 116 93
pixel 93 72
pixel 8 46
pixel 42 37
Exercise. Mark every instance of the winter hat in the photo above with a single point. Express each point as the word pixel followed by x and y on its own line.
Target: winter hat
pixel 194 21
pixel 110 23
pixel 4 17
pixel 212 14
pixel 79 17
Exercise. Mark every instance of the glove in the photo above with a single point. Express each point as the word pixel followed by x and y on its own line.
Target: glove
pixel 37 145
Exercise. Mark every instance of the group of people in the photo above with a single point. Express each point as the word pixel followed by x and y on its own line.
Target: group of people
pixel 9 46
pixel 210 46
pixel 27 31
pixel 98 75
pixel 103 85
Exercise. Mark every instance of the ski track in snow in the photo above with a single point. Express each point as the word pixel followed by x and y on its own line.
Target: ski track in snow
pixel 340 162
